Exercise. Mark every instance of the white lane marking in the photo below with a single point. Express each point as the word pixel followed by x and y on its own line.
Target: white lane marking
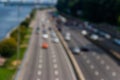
pixel 88 61
pixel 40 61
pixel 96 73
pixel 54 60
pixel 92 67
pixel 55 66
pixel 41 56
pixel 107 67
pixel 98 57
pixel 37 79
pixel 40 66
pixel 114 74
pixel 54 56
pixel 93 54
pixel 102 62
pixel 85 57
pixel 53 53
pixel 56 78
pixel 39 73
pixel 102 79
pixel 56 72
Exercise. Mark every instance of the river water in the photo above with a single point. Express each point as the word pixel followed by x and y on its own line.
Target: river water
pixel 9 18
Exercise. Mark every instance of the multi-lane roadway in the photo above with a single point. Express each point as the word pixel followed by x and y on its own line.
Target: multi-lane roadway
pixel 95 64
pixel 45 64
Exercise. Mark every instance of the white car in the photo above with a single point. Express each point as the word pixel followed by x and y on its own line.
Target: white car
pixel 56 40
pixel 84 32
pixel 94 37
pixel 107 36
pixel 67 36
pixel 76 50
pixel 45 36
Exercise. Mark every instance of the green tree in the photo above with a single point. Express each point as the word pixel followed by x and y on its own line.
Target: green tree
pixel 93 10
pixel 8 47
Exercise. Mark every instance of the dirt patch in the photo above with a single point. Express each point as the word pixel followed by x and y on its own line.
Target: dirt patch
pixel 2 61
pixel 16 63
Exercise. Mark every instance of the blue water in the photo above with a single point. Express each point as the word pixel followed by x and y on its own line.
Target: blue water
pixel 9 18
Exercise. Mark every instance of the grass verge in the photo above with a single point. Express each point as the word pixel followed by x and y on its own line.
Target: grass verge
pixel 8 71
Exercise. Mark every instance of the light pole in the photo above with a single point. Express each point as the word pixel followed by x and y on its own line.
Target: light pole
pixel 18 34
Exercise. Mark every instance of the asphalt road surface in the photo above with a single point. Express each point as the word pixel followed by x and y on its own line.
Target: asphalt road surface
pixel 95 64
pixel 46 64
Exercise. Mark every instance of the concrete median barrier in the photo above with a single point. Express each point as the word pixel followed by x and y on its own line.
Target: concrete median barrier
pixel 77 69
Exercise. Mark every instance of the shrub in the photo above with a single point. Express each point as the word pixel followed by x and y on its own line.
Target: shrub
pixel 8 47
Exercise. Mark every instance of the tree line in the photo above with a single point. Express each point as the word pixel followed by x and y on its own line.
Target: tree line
pixel 92 10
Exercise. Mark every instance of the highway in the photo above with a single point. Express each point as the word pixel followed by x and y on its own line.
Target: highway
pixel 46 64
pixel 95 64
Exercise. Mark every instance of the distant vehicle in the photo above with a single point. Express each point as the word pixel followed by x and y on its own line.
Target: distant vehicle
pixel 56 40
pixel 85 49
pixel 117 41
pixel 38 28
pixel 37 31
pixel 44 45
pixel 54 37
pixel 59 29
pixel 95 30
pixel 50 28
pixel 94 37
pixel 67 36
pixel 53 34
pixel 45 36
pixel 44 32
pixel 107 36
pixel 84 32
pixel 76 50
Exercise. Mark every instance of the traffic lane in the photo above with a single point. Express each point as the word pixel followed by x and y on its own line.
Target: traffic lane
pixel 61 62
pixel 33 57
pixel 32 68
pixel 97 72
pixel 81 62
pixel 65 66
pixel 88 73
pixel 105 42
pixel 108 44
pixel 113 71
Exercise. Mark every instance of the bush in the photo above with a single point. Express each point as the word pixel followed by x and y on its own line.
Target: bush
pixel 8 47
pixel 22 30
pixel 26 22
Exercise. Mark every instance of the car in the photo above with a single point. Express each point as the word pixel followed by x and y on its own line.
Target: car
pixel 49 28
pixel 95 30
pixel 117 41
pixel 45 36
pixel 44 45
pixel 85 49
pixel 37 31
pixel 76 50
pixel 38 28
pixel 94 37
pixel 67 36
pixel 107 36
pixel 53 34
pixel 84 32
pixel 56 40
pixel 44 31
